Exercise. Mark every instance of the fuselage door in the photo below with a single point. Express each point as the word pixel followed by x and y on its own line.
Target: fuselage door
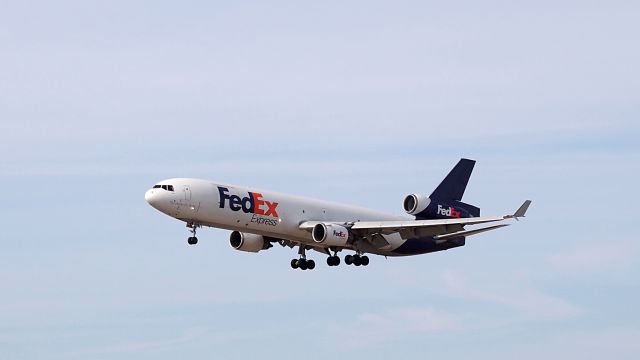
pixel 185 208
pixel 187 193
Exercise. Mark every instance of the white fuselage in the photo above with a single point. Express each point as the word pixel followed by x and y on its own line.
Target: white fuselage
pixel 255 211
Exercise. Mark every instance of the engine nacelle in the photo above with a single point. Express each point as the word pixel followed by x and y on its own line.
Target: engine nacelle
pixel 330 234
pixel 248 242
pixel 415 203
pixel 424 208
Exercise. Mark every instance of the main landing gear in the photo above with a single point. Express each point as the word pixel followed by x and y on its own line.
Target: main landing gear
pixel 192 240
pixel 302 263
pixel 333 260
pixel 356 260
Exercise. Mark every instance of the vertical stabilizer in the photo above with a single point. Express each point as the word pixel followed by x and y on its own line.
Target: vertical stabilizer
pixel 454 185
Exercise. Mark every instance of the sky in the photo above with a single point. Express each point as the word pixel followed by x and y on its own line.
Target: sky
pixel 361 102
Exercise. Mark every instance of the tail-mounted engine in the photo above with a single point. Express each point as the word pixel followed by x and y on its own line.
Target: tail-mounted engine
pixel 425 208
pixel 248 242
pixel 330 234
pixel 415 203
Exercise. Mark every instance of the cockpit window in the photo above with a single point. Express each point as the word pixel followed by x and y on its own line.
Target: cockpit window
pixel 164 187
pixel 170 187
pixel 156 186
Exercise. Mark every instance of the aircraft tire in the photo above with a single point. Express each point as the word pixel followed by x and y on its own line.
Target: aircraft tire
pixel 364 260
pixel 294 263
pixel 302 263
pixel 357 261
pixel 192 240
pixel 311 264
pixel 333 261
pixel 348 259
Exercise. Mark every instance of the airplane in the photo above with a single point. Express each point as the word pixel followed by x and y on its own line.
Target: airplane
pixel 259 219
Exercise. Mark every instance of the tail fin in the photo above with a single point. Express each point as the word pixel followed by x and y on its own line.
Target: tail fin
pixel 454 185
pixel 445 201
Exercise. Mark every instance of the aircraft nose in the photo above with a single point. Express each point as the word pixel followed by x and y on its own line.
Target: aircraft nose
pixel 150 197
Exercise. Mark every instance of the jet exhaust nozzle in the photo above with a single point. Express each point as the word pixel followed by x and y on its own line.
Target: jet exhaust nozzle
pixel 415 203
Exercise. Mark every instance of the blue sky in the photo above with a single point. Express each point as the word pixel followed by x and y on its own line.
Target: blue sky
pixel 359 102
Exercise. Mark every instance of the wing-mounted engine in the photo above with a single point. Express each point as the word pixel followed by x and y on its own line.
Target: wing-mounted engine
pixel 248 242
pixel 330 234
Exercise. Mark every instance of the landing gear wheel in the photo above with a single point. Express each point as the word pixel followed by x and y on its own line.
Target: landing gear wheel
pixel 348 259
pixel 364 260
pixel 294 263
pixel 333 261
pixel 192 240
pixel 302 263
pixel 311 264
pixel 357 261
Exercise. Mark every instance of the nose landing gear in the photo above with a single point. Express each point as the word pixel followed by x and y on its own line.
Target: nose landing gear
pixel 192 240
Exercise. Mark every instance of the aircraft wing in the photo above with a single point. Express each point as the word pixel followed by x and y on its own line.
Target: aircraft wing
pixel 390 227
pixel 443 228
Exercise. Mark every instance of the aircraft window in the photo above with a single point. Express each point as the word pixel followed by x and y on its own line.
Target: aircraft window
pixel 165 187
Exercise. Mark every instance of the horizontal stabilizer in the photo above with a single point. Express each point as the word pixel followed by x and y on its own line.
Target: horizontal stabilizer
pixel 467 232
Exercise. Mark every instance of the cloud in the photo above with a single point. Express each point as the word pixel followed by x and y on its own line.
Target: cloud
pixel 604 255
pixel 600 343
pixel 189 336
pixel 389 325
pixel 529 302
pixel 150 345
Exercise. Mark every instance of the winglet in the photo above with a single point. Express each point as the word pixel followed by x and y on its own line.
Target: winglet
pixel 522 210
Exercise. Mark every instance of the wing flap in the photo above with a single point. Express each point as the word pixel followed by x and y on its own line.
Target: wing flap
pixel 445 237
